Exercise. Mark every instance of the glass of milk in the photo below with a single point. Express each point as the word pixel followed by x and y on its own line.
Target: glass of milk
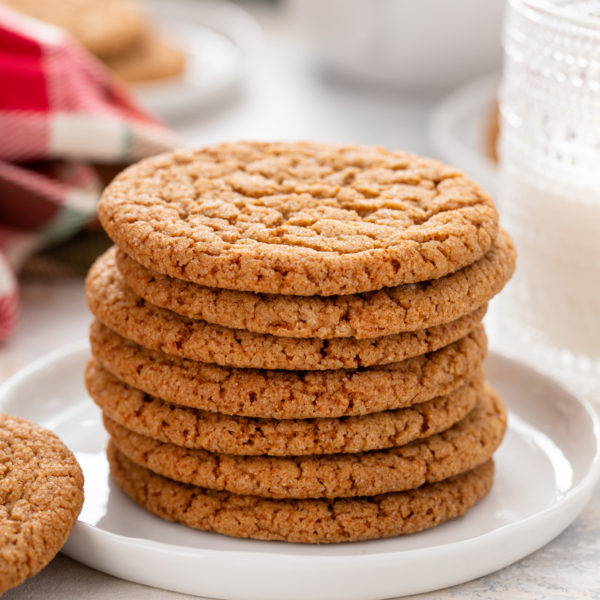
pixel 550 200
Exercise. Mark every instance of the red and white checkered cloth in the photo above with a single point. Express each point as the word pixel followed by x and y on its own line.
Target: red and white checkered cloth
pixel 60 110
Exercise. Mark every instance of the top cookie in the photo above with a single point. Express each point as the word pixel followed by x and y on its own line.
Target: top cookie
pixel 298 218
pixel 41 494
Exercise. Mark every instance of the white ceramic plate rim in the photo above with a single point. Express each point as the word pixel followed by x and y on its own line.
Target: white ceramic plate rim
pixel 178 97
pixel 583 488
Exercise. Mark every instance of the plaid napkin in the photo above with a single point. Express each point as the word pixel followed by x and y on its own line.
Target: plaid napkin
pixel 61 113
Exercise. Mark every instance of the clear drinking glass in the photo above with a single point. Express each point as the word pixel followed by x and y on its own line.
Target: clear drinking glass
pixel 550 199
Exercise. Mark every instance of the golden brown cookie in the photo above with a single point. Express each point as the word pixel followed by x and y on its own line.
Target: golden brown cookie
pixel 152 56
pixel 304 521
pixel 466 445
pixel 215 432
pixel 301 218
pixel 120 309
pixel 41 494
pixel 373 314
pixel 290 394
pixel 104 27
pixel 493 132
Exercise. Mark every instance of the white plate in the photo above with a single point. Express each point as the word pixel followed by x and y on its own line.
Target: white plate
pixel 546 471
pixel 458 128
pixel 219 39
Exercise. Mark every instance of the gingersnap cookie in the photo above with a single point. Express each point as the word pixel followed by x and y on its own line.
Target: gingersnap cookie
pixel 151 56
pixel 120 309
pixel 290 394
pixel 215 432
pixel 41 495
pixel 300 218
pixel 372 314
pixel 466 445
pixel 104 27
pixel 302 521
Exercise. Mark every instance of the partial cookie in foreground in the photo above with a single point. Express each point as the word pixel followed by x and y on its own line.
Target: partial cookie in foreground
pixel 300 218
pixel 152 56
pixel 372 314
pixel 304 521
pixel 117 307
pixel 215 432
pixel 41 495
pixel 290 394
pixel 104 27
pixel 466 445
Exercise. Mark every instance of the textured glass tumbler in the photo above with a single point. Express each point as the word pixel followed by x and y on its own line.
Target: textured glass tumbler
pixel 550 198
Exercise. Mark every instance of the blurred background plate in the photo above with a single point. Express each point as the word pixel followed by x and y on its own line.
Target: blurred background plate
pixel 219 39
pixel 459 130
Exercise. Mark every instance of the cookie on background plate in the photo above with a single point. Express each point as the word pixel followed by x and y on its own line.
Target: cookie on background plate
pixel 302 218
pixel 151 57
pixel 104 27
pixel 41 495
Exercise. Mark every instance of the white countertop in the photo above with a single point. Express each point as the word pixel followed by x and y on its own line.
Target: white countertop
pixel 285 99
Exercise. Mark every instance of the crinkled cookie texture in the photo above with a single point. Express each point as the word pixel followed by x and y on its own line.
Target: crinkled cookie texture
pixel 303 521
pixel 298 218
pixel 104 27
pixel 116 306
pixel 290 394
pixel 372 314
pixel 41 495
pixel 466 445
pixel 215 432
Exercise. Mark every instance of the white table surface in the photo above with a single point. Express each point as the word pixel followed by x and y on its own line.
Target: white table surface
pixel 285 99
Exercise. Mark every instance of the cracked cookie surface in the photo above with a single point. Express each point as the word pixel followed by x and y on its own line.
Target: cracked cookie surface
pixel 373 314
pixel 303 521
pixel 215 432
pixel 41 494
pixel 298 218
pixel 290 394
pixel 466 445
pixel 119 308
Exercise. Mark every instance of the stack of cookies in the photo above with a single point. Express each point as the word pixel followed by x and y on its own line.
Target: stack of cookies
pixel 288 341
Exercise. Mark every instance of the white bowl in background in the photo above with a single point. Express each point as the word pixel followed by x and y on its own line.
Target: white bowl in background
pixel 408 43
